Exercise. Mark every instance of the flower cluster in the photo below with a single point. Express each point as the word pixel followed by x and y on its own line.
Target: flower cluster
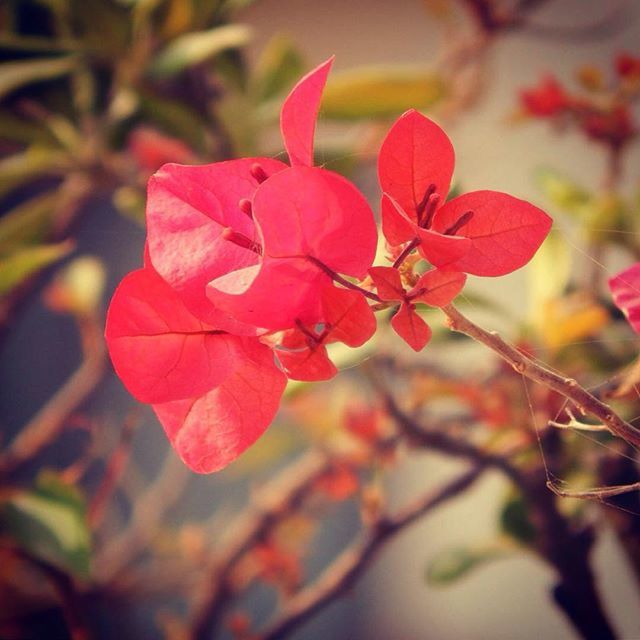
pixel 253 266
pixel 601 111
pixel 484 233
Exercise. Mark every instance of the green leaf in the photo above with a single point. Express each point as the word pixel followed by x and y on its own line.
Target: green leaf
pixel 380 92
pixel 29 222
pixel 515 521
pixel 14 75
pixel 174 117
pixel 562 191
pixel 130 201
pixel 26 165
pixel 192 48
pixel 452 564
pixel 239 122
pixel 50 522
pixel 277 69
pixel 21 130
pixel 24 262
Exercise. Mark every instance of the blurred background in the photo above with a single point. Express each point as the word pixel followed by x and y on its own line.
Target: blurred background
pixel 103 532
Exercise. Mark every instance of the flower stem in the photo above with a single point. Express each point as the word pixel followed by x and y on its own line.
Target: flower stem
pixel 343 281
pixel 405 252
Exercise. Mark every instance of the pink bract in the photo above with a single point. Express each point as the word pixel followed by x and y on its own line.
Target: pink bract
pixel 485 233
pixel 625 289
pixel 235 250
pixel 167 357
pixel 304 216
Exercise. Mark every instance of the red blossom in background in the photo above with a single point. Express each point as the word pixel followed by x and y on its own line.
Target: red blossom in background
pixel 485 233
pixel 151 149
pixel 548 99
pixel 602 113
pixel 625 289
pixel 628 66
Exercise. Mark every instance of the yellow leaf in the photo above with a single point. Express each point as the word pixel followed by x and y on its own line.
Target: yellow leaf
pixel 548 273
pixel 380 92
pixel 571 319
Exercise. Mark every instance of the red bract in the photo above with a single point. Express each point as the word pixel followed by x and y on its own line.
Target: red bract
pixel 236 250
pixel 299 113
pixel 625 289
pixel 214 393
pixel 346 317
pixel 436 288
pixel 200 219
pixel 310 223
pixel 485 233
pixel 189 210
pixel 614 126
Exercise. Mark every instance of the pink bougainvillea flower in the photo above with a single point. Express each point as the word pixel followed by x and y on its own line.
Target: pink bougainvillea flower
pixel 310 223
pixel 435 288
pixel 200 218
pixel 485 233
pixel 546 100
pixel 625 289
pixel 236 250
pixel 346 317
pixel 214 393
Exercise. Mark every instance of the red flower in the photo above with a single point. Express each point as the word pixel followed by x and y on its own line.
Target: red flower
pixel 546 100
pixel 235 250
pixel 214 393
pixel 307 220
pixel 346 317
pixel 485 233
pixel 436 288
pixel 225 236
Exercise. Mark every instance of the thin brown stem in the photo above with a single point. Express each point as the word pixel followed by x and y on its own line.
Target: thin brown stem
pixel 568 387
pixel 115 467
pixel 148 510
pixel 343 281
pixel 50 420
pixel 276 501
pixel 564 547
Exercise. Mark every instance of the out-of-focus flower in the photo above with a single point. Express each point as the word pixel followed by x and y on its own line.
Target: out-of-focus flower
pixel 548 99
pixel 151 148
